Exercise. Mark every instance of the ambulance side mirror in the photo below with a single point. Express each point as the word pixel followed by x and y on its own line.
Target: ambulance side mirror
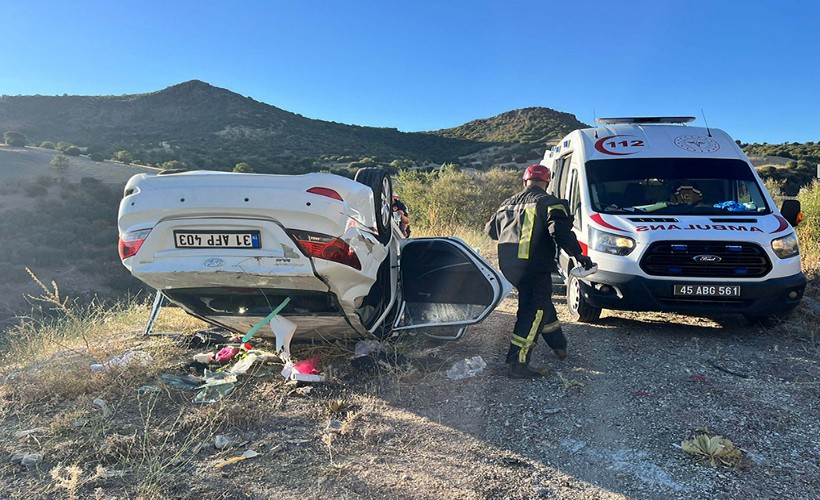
pixel 790 210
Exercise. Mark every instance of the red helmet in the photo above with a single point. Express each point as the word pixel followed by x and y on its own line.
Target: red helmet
pixel 539 172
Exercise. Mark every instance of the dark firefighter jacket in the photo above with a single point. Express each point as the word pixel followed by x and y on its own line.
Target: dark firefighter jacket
pixel 527 227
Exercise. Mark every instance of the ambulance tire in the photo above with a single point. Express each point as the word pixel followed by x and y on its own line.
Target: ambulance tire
pixel 579 309
pixel 378 179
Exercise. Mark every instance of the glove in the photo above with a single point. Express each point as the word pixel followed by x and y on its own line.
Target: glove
pixel 585 261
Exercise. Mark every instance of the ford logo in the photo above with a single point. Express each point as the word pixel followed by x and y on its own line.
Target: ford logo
pixel 213 262
pixel 706 258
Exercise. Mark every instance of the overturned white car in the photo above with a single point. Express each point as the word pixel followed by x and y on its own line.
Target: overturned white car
pixel 229 248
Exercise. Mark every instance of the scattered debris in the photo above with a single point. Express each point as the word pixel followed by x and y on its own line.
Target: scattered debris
pixel 226 354
pixel 365 348
pixel 148 389
pixel 466 368
pixel 700 378
pixel 217 386
pixel 243 365
pixel 107 413
pixel 205 338
pixel 248 454
pixel 552 411
pixel 186 382
pixel 222 441
pixel 303 391
pixel 303 371
pixel 125 359
pixel 730 372
pixel 205 358
pixel 713 449
pixel 270 318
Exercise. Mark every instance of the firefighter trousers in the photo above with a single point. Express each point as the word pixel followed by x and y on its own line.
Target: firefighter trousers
pixel 536 315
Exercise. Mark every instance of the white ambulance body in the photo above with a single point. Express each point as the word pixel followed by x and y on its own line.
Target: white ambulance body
pixel 677 220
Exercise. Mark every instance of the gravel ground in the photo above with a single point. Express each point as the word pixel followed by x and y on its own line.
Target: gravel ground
pixel 606 422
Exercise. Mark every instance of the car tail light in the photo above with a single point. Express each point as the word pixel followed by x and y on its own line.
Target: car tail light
pixel 325 192
pixel 131 242
pixel 327 248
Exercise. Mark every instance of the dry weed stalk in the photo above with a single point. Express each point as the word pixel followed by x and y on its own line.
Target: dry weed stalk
pixel 67 478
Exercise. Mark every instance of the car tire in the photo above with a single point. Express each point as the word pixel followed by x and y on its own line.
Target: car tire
pixel 579 309
pixel 378 179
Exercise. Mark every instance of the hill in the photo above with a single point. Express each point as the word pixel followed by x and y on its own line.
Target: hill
pixel 210 127
pixel 526 126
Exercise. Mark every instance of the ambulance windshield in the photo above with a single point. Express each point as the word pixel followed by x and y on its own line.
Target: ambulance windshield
pixel 675 186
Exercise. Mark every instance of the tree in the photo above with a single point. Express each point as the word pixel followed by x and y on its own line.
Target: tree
pixel 72 151
pixel 60 162
pixel 63 145
pixel 47 145
pixel 243 168
pixel 15 139
pixel 173 165
pixel 123 156
pixel 96 156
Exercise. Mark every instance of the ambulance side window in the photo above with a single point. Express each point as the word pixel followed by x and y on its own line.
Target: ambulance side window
pixel 563 174
pixel 575 199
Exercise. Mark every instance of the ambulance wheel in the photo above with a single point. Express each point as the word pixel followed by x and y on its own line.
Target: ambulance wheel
pixel 579 309
pixel 378 179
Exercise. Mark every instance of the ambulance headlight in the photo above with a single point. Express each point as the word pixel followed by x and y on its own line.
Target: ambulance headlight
pixel 786 246
pixel 601 241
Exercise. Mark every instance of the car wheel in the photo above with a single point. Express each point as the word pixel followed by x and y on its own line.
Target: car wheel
pixel 378 179
pixel 579 309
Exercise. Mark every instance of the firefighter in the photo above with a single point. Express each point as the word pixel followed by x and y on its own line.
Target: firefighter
pixel 527 227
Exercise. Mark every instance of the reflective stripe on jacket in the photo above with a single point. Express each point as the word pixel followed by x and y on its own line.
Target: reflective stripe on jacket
pixel 527 227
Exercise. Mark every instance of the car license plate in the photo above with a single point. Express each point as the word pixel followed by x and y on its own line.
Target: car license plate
pixel 707 290
pixel 216 239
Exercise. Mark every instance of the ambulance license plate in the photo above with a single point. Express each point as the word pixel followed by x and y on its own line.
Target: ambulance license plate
pixel 707 290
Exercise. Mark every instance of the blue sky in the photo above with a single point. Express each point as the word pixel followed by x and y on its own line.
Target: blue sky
pixel 753 67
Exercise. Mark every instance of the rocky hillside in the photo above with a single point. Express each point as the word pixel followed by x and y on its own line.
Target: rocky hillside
pixel 524 126
pixel 210 127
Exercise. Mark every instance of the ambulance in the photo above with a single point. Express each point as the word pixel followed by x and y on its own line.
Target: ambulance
pixel 677 220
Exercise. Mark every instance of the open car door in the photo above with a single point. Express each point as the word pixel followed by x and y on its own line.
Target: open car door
pixel 446 286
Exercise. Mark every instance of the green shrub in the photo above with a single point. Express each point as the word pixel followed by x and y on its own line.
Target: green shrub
pixel 72 151
pixel 63 145
pixel 809 229
pixel 15 139
pixel 450 198
pixel 123 156
pixel 96 156
pixel 47 145
pixel 60 162
pixel 172 165
pixel 243 168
